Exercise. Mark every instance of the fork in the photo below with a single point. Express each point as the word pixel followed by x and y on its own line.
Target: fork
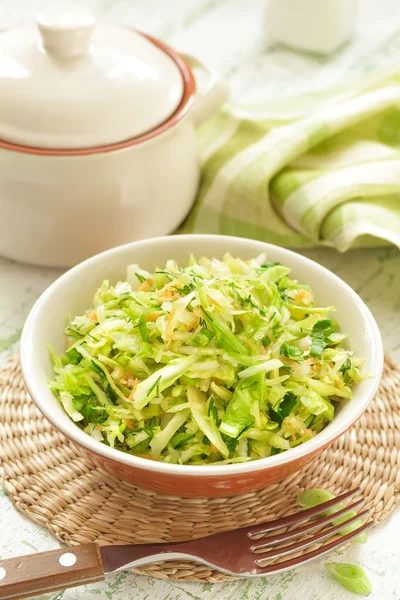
pixel 244 552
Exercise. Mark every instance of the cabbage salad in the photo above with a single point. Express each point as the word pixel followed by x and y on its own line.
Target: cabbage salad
pixel 218 362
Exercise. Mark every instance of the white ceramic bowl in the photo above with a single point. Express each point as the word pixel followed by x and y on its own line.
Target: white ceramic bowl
pixel 72 294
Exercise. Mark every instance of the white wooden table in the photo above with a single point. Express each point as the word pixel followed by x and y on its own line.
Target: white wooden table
pixel 228 35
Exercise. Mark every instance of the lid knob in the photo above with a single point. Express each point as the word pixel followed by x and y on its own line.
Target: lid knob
pixel 66 30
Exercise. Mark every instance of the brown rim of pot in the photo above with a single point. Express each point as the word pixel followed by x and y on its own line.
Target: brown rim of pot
pixel 187 100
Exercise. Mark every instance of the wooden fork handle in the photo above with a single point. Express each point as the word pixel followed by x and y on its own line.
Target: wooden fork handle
pixel 49 571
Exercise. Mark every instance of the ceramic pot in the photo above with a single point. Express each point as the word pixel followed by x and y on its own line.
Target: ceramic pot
pixel 97 137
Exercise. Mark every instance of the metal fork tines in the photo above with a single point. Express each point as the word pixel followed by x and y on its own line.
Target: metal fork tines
pixel 258 530
pixel 272 540
pixel 266 556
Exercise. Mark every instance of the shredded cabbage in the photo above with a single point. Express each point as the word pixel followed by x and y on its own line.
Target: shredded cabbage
pixel 219 362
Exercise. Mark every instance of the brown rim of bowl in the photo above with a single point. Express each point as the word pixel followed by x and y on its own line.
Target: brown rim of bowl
pixel 189 83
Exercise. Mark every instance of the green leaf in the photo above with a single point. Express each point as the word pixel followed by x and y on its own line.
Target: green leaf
pixel 70 332
pixel 286 406
pixel 185 289
pixel 346 365
pixel 284 409
pixel 97 369
pixel 246 386
pixel 320 337
pixel 203 337
pixel 142 326
pixel 180 439
pixel 136 442
pixel 165 273
pixel 93 413
pixel 237 415
pixel 275 451
pixel 274 273
pixel 155 386
pixel 268 265
pixel 277 331
pixel 79 401
pixel 141 446
pixel 316 404
pixel 74 357
pixel 225 337
pixel 147 430
pixel 140 277
pixel 212 411
pixel 103 378
pixel 292 352
pixel 232 444
pixel 191 380
pixel 266 341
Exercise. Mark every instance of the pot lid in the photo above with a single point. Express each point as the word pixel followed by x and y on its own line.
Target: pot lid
pixel 68 82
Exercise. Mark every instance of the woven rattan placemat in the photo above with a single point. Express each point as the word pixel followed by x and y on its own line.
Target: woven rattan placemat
pixel 52 483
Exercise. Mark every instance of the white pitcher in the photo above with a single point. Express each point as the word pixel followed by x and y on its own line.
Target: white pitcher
pixel 321 26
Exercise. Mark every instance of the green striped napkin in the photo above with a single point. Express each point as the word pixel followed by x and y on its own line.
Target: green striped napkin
pixel 317 169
